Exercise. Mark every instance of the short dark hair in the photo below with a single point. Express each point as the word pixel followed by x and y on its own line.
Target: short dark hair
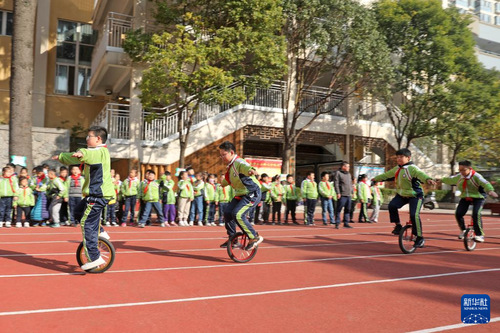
pixel 465 163
pixel 167 173
pixel 99 131
pixel 63 168
pixel 227 146
pixel 324 173
pixel 404 152
pixel 288 176
pixel 5 168
pixel 181 173
pixel 151 172
pixel 264 175
pixel 22 178
pixel 45 165
pixel 344 163
pixel 53 170
pixel 24 168
pixel 39 168
pixel 309 173
pixel 361 177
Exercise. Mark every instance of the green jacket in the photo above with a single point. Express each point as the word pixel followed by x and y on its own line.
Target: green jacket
pixel 8 186
pixel 41 183
pixel 210 192
pixel 150 191
pixel 198 187
pixel 277 192
pixel 472 186
pixel 309 189
pixel 168 188
pixel 377 196
pixel 185 189
pixel 96 171
pixel 56 188
pixel 408 180
pixel 364 192
pixel 25 197
pixel 326 189
pixel 130 187
pixel 223 193
pixel 237 176
pixel 292 192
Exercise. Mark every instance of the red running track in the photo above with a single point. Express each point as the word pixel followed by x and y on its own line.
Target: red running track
pixel 314 279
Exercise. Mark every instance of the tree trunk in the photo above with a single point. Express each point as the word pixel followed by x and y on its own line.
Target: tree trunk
pixel 182 152
pixel 21 80
pixel 287 154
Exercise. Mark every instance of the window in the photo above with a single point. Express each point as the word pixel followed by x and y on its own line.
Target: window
pixel 75 44
pixel 497 20
pixel 484 18
pixel 6 21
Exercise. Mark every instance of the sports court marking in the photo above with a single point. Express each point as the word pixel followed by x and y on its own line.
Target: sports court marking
pixel 260 293
pixel 452 327
pixel 251 263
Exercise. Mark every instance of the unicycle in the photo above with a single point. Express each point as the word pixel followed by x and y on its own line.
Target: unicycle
pixel 469 241
pixel 107 253
pixel 236 248
pixel 407 239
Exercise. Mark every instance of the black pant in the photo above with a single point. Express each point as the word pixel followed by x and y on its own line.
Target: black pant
pixel 290 208
pixel 277 210
pixel 26 210
pixel 477 207
pixel 311 207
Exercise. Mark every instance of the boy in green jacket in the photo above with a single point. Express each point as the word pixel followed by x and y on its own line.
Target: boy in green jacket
pixel 24 200
pixel 408 178
pixel 8 188
pixel 210 199
pixel 56 191
pixel 473 189
pixel 222 198
pixel 292 197
pixel 150 194
pixel 186 196
pixel 364 195
pixel 168 199
pixel 327 195
pixel 97 190
pixel 129 190
pixel 309 190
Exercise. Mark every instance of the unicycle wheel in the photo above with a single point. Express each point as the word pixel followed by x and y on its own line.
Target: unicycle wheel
pixel 107 253
pixel 469 242
pixel 236 248
pixel 406 240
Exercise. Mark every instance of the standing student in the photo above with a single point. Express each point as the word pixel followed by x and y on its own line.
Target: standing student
pixel 408 178
pixel 63 213
pixel 364 196
pixel 223 197
pixel 150 195
pixel 473 188
pixel 210 199
pixel 24 201
pixel 328 196
pixel 377 201
pixel 277 193
pixel 292 197
pixel 74 185
pixel 197 204
pixel 56 190
pixel 40 213
pixel 343 188
pixel 168 199
pixel 186 196
pixel 309 190
pixel 263 207
pixel 8 189
pixel 129 191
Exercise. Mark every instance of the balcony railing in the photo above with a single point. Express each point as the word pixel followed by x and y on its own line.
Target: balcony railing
pixel 161 123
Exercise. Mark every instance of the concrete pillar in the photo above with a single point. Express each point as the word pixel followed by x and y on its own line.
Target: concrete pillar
pixel 40 62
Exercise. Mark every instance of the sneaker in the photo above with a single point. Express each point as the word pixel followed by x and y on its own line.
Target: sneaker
pixel 43 224
pixel 221 224
pixel 141 225
pixel 213 224
pixel 104 234
pixel 253 243
pixel 479 239
pixel 419 242
pixel 26 224
pixel 191 223
pixel 162 225
pixel 67 223
pixel 295 222
pixel 348 226
pixel 36 224
pixel 93 264
pixel 223 245
pixel 200 224
pixel 19 225
pixel 108 224
pixel 55 225
pixel 7 224
pixel 114 224
pixel 207 224
pixel 461 235
pixel 173 224
pixel 1 224
pixel 336 226
pixel 123 224
pixel 397 229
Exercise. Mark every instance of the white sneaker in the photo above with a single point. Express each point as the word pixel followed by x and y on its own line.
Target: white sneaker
pixel 7 224
pixel 461 235
pixel 19 225
pixel 67 223
pixel 221 224
pixel 108 224
pixel 114 224
pixel 26 224
pixel 191 223
pixel 1 224
pixel 200 224
pixel 104 234
pixel 213 224
pixel 479 239
pixel 93 264
pixel 162 225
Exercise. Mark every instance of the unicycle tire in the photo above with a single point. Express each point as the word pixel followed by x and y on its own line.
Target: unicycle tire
pixel 107 253
pixel 236 248
pixel 469 242
pixel 406 240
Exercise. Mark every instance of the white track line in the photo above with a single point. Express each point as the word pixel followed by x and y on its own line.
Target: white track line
pixel 162 269
pixel 259 293
pixel 452 327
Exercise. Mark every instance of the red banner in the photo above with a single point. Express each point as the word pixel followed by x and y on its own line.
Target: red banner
pixel 271 167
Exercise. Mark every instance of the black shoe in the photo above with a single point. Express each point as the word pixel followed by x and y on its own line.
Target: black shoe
pixel 336 226
pixel 346 225
pixel 397 229
pixel 223 245
pixel 419 242
pixel 361 221
pixel 325 223
pixel 295 222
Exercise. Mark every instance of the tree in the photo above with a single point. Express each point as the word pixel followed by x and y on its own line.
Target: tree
pixel 204 47
pixel 21 80
pixel 335 44
pixel 431 46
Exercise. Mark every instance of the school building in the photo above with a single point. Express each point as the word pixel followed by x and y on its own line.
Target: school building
pixel 83 77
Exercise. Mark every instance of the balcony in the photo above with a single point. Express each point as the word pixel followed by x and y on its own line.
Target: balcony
pixel 110 64
pixel 116 118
